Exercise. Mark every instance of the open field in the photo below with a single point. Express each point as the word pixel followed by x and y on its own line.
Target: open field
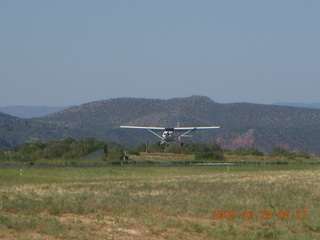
pixel 161 202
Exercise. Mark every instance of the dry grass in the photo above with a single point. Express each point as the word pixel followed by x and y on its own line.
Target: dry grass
pixel 158 203
pixel 172 157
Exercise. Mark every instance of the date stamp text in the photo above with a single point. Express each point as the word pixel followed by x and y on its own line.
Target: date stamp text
pixel 281 214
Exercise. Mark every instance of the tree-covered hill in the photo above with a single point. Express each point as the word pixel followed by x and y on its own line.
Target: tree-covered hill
pixel 14 131
pixel 242 124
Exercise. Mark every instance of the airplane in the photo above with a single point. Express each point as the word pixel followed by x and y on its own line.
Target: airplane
pixel 169 135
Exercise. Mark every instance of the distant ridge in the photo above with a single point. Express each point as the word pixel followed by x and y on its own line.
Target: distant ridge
pixel 303 105
pixel 30 111
pixel 242 124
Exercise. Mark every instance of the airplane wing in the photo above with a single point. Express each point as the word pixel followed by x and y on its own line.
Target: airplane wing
pixel 194 128
pixel 177 129
pixel 148 128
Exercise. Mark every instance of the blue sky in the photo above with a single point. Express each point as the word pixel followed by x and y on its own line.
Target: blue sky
pixel 61 53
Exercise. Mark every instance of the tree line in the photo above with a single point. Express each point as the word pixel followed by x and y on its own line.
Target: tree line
pixel 68 148
pixel 71 148
pixel 276 151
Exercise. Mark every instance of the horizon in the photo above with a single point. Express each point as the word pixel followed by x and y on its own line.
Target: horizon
pixel 70 106
pixel 293 104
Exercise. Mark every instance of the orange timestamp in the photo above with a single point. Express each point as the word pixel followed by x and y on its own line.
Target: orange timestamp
pixel 300 214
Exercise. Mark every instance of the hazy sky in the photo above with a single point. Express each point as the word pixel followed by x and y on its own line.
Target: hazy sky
pixel 61 53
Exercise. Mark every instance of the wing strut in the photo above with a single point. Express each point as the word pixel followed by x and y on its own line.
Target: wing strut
pixel 182 135
pixel 156 134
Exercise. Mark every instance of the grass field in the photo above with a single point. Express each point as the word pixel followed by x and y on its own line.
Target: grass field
pixel 161 202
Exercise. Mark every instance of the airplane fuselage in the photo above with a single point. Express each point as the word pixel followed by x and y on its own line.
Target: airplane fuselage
pixel 168 136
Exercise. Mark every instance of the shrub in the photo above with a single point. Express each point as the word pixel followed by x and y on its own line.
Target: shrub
pixel 243 151
pixel 216 156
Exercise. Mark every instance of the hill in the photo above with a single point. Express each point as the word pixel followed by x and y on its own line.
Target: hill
pixel 14 131
pixel 303 105
pixel 242 124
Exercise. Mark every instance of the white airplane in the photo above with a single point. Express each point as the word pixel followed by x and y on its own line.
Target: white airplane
pixel 169 135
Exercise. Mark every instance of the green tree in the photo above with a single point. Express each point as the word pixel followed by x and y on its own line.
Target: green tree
pixel 141 147
pixel 29 151
pixel 278 151
pixel 55 149
pixel 303 155
pixel 3 153
pixel 113 151
pixel 211 152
